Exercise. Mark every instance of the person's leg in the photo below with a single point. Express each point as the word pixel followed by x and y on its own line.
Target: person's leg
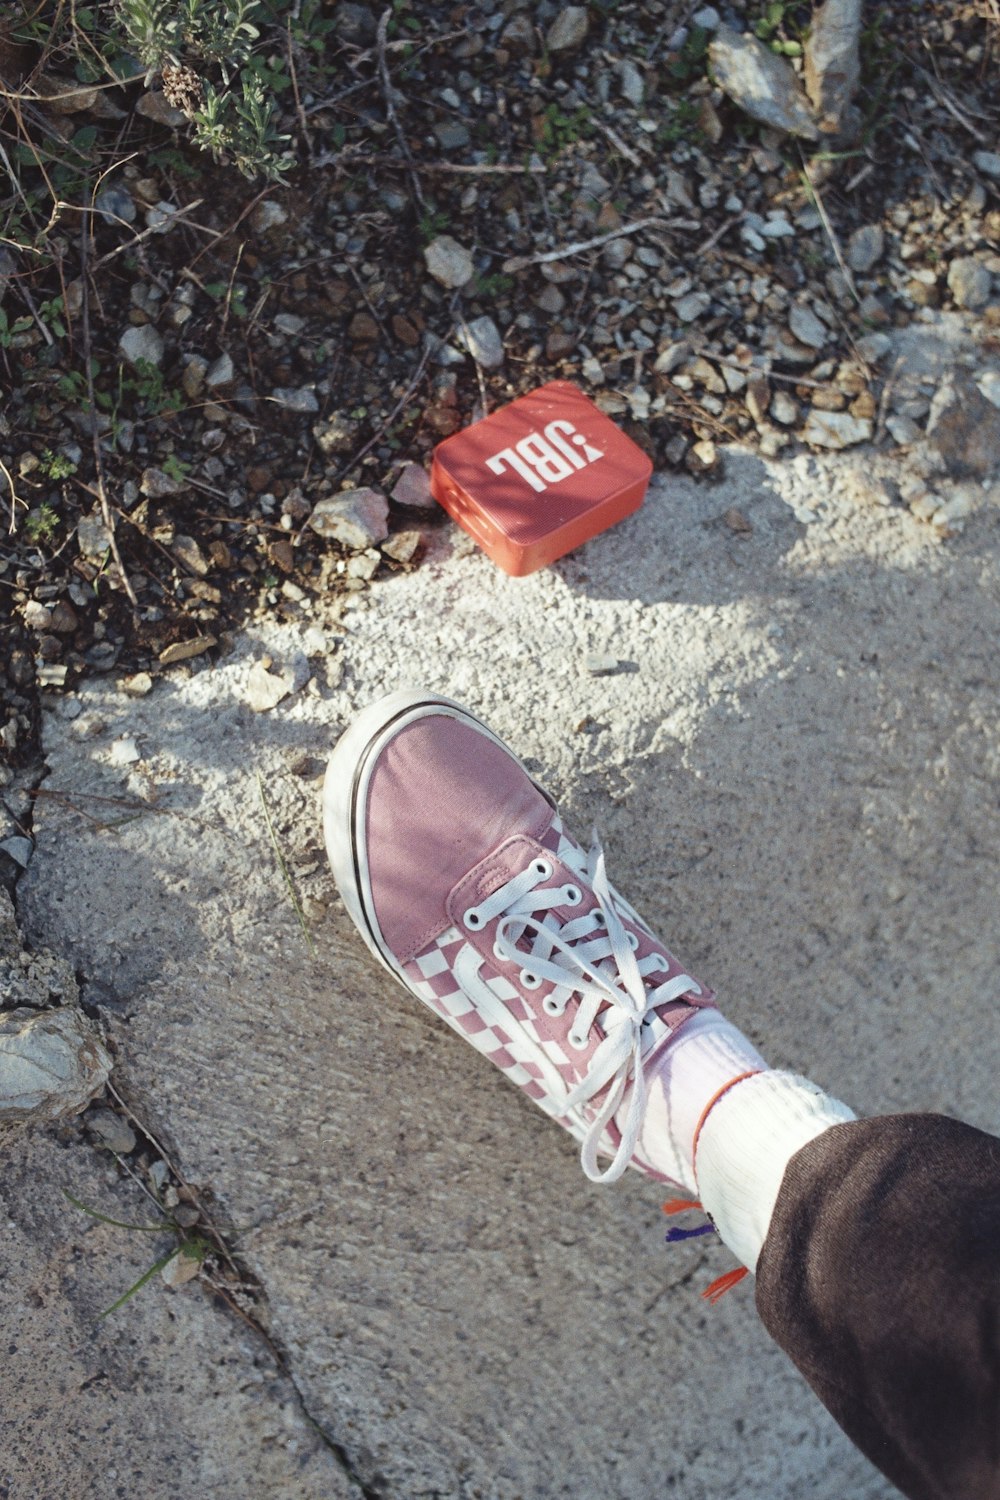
pixel 876 1243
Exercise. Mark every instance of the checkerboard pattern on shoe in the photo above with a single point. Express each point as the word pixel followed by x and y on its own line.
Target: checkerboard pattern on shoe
pixel 461 878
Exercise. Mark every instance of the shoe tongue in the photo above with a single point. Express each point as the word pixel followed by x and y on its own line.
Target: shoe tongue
pixel 500 865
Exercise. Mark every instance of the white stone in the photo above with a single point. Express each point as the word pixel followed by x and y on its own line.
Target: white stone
pixel 568 30
pixel 762 84
pixel 865 247
pixel 835 429
pixel 448 261
pixel 357 518
pixel 143 343
pixel 482 339
pixel 806 327
pixel 413 488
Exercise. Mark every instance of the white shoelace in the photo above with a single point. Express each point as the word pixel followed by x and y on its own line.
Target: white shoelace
pixel 591 957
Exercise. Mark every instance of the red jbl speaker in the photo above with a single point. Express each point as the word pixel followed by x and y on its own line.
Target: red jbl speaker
pixel 539 477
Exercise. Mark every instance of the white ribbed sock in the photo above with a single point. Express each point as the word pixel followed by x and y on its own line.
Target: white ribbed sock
pixel 745 1144
pixel 706 1054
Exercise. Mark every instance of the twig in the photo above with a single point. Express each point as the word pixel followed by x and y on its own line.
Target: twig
pixel 13 497
pixel 390 107
pixel 102 494
pixel 519 262
pixel 298 98
pixel 180 217
pixel 813 191
pixel 353 156
pixel 883 405
pixel 23 290
pixel 620 146
pixel 714 238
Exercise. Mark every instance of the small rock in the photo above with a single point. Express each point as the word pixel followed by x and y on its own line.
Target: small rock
pixel 115 206
pixel 52 1063
pixel 158 485
pixel 193 376
pixel 874 346
pixel 452 135
pixel 989 386
pixel 987 162
pixel 865 247
pixel 737 522
pixel 832 62
pixel 784 409
pixel 760 83
pixel 142 343
pixel 124 751
pixel 138 685
pixel 413 488
pixel 37 616
pixel 184 650
pixel 806 327
pixel 964 426
pixel 336 434
pixel 357 518
pixel 64 618
pixel 702 457
pixel 482 339
pixel 182 1267
pixel 268 215
pixel 221 372
pixel 448 261
pixel 569 29
pixel 190 555
pixel 903 430
pixel 265 689
pixel 111 1131
pixel 296 398
pixel 160 216
pixel 707 18
pixel 354 24
pixel 602 666
pixel 364 565
pixel 289 323
pixel 758 397
pixel 92 536
pixel 18 848
pixel 631 82
pixel 969 282
pixel 835 429
pixel 670 359
pixel 155 107
pixel 691 307
pixel 402 547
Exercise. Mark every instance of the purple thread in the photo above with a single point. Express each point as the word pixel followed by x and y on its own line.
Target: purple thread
pixel 673 1236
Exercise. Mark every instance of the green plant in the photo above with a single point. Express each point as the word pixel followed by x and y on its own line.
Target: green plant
pixel 175 468
pixel 56 465
pixel 681 125
pixel 42 523
pixel 191 1246
pixel 783 26
pixel 205 55
pixel 689 62
pixel 555 129
pixel 432 223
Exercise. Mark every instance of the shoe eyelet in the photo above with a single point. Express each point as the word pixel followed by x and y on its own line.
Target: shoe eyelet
pixel 599 917
pixel 577 1042
pixel 499 953
pixel 473 919
pixel 661 961
pixel 572 895
pixel 529 980
pixel 542 868
pixel 552 1006
pixel 633 941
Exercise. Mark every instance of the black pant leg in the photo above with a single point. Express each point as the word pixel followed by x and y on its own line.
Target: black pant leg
pixel 880 1278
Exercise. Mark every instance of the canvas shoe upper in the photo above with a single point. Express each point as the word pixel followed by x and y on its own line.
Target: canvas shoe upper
pixel 456 868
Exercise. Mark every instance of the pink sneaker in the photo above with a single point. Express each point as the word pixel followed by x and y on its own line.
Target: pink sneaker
pixel 462 880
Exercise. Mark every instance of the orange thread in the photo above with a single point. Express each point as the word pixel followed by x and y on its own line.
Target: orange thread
pixel 724 1284
pixel 751 1073
pixel 681 1205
